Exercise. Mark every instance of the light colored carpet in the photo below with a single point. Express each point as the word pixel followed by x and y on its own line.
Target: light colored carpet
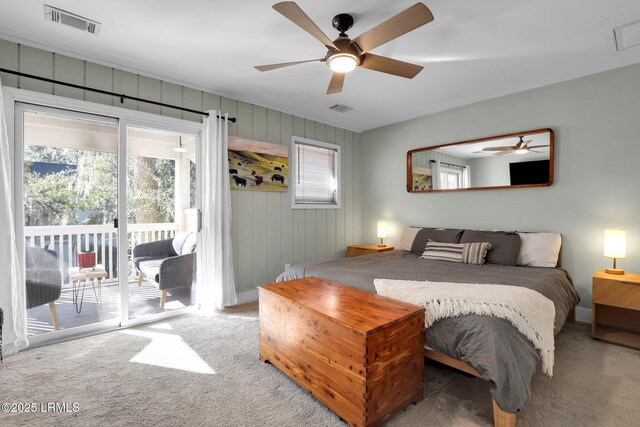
pixel 138 377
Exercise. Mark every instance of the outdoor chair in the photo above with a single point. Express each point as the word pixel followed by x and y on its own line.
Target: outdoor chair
pixel 43 279
pixel 167 264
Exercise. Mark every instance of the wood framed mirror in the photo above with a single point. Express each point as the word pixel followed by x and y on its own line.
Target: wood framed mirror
pixel 515 160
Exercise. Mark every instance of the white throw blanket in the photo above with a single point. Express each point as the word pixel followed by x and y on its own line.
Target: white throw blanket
pixel 529 311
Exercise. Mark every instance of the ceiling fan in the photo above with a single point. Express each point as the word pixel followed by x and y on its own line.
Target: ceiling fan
pixel 522 147
pixel 345 54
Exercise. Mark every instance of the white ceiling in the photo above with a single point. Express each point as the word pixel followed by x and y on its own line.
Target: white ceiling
pixel 473 50
pixel 55 131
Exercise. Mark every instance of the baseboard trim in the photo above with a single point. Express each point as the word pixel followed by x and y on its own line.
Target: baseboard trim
pixel 247 296
pixel 583 315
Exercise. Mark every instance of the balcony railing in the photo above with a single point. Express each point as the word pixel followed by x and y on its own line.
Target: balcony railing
pixel 68 240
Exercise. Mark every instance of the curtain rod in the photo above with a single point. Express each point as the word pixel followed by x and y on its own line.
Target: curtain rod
pixel 449 164
pixel 122 96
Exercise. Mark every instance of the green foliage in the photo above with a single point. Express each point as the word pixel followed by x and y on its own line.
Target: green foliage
pixel 90 192
pixel 192 184
pixel 151 187
pixel 37 153
pixel 48 200
pixel 97 186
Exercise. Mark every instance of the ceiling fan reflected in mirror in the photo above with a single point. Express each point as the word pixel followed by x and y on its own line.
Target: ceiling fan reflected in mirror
pixel 345 55
pixel 521 147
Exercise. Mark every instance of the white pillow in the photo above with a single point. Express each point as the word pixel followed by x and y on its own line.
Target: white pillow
pixel 539 249
pixel 407 237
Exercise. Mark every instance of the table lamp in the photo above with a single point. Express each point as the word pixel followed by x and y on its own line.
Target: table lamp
pixel 382 232
pixel 615 246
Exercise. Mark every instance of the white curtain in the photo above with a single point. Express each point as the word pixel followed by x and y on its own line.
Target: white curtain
pixel 12 291
pixel 216 282
pixel 466 177
pixel 435 174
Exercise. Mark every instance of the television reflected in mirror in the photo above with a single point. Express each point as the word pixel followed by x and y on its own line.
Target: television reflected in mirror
pixel 516 160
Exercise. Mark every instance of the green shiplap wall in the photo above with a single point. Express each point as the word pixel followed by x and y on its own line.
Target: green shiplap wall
pixel 267 233
pixel 597 147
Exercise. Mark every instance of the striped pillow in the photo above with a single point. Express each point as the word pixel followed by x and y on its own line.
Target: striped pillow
pixel 466 253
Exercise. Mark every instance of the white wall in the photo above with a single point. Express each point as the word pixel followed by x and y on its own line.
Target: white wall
pixel 267 233
pixel 596 120
pixel 494 171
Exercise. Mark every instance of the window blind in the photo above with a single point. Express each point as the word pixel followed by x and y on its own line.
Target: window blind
pixel 316 174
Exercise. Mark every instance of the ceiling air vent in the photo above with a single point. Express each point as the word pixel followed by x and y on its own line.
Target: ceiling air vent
pixel 63 17
pixel 627 36
pixel 340 108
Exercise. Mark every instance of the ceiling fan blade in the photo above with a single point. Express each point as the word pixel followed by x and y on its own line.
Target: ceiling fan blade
pixel 390 66
pixel 404 22
pixel 538 146
pixel 335 85
pixel 525 143
pixel 502 153
pixel 283 64
pixel 533 151
pixel 292 11
pixel 505 148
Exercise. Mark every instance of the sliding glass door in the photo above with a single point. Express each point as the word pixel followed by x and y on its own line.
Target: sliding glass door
pixel 161 230
pixel 70 188
pixel 110 219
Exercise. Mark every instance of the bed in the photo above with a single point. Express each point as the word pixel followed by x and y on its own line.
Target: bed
pixel 489 347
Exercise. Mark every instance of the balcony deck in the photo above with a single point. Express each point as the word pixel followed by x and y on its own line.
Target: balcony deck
pixel 66 241
pixel 143 300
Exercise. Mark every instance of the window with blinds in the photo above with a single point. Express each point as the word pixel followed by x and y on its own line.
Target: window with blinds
pixel 316 174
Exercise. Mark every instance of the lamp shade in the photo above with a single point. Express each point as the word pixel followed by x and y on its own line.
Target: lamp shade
pixel 615 243
pixel 342 62
pixel 382 229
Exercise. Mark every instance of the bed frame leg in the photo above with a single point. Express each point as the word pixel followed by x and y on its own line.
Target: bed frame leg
pixel 502 418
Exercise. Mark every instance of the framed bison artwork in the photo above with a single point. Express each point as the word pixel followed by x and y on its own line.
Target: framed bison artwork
pixel 257 165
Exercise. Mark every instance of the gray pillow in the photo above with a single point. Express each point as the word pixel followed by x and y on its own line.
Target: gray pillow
pixel 442 235
pixel 505 245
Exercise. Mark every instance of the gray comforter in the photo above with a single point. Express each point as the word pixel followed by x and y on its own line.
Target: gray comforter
pixel 491 345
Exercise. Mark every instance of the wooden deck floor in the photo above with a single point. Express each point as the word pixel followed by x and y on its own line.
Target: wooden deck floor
pixel 142 300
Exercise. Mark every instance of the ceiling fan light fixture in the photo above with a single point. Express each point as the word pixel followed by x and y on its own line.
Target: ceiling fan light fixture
pixel 344 54
pixel 522 151
pixel 342 62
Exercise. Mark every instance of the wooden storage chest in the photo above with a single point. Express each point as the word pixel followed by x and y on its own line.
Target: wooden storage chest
pixel 358 353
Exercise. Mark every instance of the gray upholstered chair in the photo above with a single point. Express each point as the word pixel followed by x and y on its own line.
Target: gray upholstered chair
pixel 168 264
pixel 43 279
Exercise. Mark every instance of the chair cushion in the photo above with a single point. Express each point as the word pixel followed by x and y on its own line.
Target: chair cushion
pixel 42 276
pixel 150 268
pixel 43 286
pixel 189 245
pixel 178 241
pixel 40 259
pixel 137 261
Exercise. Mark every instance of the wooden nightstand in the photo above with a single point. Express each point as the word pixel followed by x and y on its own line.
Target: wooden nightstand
pixel 616 308
pixel 357 250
